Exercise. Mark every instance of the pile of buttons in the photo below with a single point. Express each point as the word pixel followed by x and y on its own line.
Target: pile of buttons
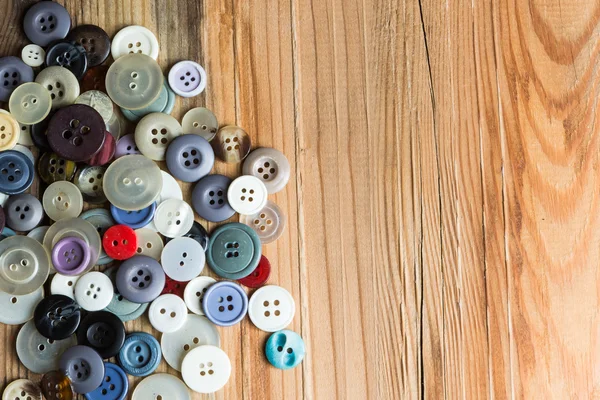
pixel 137 248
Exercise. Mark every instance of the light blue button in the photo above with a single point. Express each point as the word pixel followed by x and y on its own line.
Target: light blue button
pixel 140 354
pixel 114 385
pixel 163 104
pixel 134 219
pixel 285 349
pixel 6 232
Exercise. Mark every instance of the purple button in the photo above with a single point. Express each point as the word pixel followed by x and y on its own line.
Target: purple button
pixel 225 303
pixel 187 78
pixel 71 255
pixel 126 146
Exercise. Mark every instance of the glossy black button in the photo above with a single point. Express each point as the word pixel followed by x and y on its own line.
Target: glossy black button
pixel 103 331
pixel 198 233
pixel 69 55
pixel 51 168
pixel 95 41
pixel 57 317
pixel 38 133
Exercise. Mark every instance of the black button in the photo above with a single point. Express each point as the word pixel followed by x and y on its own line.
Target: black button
pixel 95 41
pixel 2 219
pixel 38 133
pixel 103 331
pixel 57 317
pixel 198 233
pixel 69 55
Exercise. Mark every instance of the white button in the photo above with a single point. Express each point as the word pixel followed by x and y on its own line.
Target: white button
pixel 167 313
pixel 62 199
pixel 206 369
pixel 183 259
pixel 197 331
pixel 174 218
pixel 153 134
pixel 271 308
pixel 94 291
pixel 63 284
pixel 170 189
pixel 268 223
pixel 3 198
pixel 22 389
pixel 38 233
pixel 134 39
pixel 247 195
pixel 33 55
pixel 194 293
pixel 161 386
pixel 19 309
pixel 37 353
pixel 149 243
pixel 26 151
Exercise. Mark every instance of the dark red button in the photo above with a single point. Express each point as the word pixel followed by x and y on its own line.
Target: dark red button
pixel 76 132
pixel 174 287
pixel 259 276
pixel 106 152
pixel 94 79
pixel 95 41
pixel 120 242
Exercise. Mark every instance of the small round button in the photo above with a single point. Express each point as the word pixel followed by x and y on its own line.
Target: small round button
pixel 33 55
pixel 183 259
pixel 120 242
pixel 194 293
pixel 76 227
pixel 95 41
pixel 269 165
pixel 71 256
pixel 260 275
pixel 140 354
pixel 51 168
pixel 30 103
pixel 56 386
pixel 89 182
pixel 173 287
pixel 24 265
pixel 38 353
pixel 209 198
pixel 285 349
pixel 187 78
pixel 94 79
pixel 93 291
pixel 153 134
pixel 83 366
pixel 63 284
pixel 233 251
pixel 132 182
pixel 134 219
pixel 23 212
pixel 16 172
pixel 103 331
pixel 268 223
pixel 167 313
pixel 9 131
pixel 19 309
pixel 164 103
pixel 13 72
pixel 61 200
pixel 200 121
pixel 99 101
pixel 231 144
pixel 170 189
pixel 271 308
pixel 174 218
pixel 161 386
pixel 57 317
pixel 134 39
pixel 114 385
pixel 45 22
pixel 199 234
pixel 189 158
pixel 22 389
pixel 101 220
pixel 126 146
pixel 206 369
pixel 140 279
pixel 149 243
pixel 69 55
pixel 247 195
pixel 225 303
pixel 61 83
pixel 134 81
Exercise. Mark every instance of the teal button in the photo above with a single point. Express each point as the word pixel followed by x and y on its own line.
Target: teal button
pixel 163 104
pixel 285 349
pixel 233 251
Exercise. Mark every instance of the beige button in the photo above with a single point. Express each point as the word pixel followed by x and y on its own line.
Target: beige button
pixel 22 389
pixel 268 223
pixel 33 55
pixel 149 243
pixel 61 83
pixel 200 121
pixel 270 166
pixel 25 136
pixel 134 39
pixel 134 81
pixel 78 228
pixel 30 103
pixel 9 131
pixel 153 134
pixel 99 101
pixel 24 265
pixel 62 199
pixel 231 144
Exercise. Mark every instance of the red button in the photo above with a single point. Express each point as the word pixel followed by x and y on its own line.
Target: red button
pixel 259 276
pixel 120 242
pixel 174 287
pixel 106 152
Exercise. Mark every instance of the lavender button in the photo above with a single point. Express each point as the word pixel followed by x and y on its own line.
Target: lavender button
pixel 225 303
pixel 71 255
pixel 126 146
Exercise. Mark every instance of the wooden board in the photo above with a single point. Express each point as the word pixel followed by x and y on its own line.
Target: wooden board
pixel 442 237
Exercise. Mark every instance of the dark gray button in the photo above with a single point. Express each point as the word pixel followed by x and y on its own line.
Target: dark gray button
pixel 69 55
pixel 190 158
pixel 209 198
pixel 140 279
pixel 95 41
pixel 23 212
pixel 45 22
pixel 84 367
pixel 13 72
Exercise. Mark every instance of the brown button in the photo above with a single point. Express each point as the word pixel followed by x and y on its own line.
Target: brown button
pixel 56 386
pixel 106 153
pixel 231 144
pixel 94 79
pixel 51 168
pixel 95 41
pixel 76 132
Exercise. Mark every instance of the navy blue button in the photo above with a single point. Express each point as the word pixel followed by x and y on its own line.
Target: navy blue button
pixel 140 354
pixel 114 385
pixel 285 349
pixel 225 303
pixel 16 172
pixel 133 219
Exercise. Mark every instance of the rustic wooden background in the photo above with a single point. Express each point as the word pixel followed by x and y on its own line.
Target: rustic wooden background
pixel 443 234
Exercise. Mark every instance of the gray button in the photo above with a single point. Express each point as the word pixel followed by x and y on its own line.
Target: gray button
pixel 23 212
pixel 45 22
pixel 89 181
pixel 13 72
pixel 189 158
pixel 140 279
pixel 84 367
pixel 209 198
pixel 101 219
pixel 124 309
pixel 37 353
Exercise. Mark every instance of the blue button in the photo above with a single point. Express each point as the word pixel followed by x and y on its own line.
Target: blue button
pixel 285 349
pixel 140 354
pixel 134 219
pixel 16 172
pixel 114 385
pixel 6 232
pixel 225 303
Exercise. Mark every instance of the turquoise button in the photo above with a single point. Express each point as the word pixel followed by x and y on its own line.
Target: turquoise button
pixel 285 349
pixel 163 104
pixel 233 251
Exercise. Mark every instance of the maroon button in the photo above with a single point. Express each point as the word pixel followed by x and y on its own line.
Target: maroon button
pixel 174 287
pixel 260 275
pixel 120 242
pixel 2 219
pixel 106 152
pixel 76 132
pixel 95 41
pixel 94 79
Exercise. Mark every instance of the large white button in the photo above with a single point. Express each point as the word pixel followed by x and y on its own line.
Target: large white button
pixel 153 134
pixel 64 284
pixel 167 313
pixel 37 353
pixel 161 386
pixel 271 308
pixel 19 309
pixel 94 291
pixel 174 218
pixel 134 39
pixel 149 243
pixel 247 195
pixel 62 199
pixel 206 369
pixel 170 189
pixel 183 259
pixel 194 293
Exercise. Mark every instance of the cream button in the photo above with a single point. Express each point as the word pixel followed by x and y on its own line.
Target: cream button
pixel 22 389
pixel 149 243
pixel 134 39
pixel 268 223
pixel 134 81
pixel 269 165
pixel 153 134
pixel 24 265
pixel 61 83
pixel 247 195
pixel 33 55
pixel 62 199
pixel 200 121
pixel 9 131
pixel 30 103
